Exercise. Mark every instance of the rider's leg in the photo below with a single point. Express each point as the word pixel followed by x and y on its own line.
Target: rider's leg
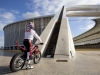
pixel 27 45
pixel 28 54
pixel 28 64
pixel 28 61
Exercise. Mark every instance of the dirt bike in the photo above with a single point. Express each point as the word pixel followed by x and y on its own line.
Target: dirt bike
pixel 18 60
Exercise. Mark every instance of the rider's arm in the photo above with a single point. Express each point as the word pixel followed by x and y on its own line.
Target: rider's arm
pixel 37 37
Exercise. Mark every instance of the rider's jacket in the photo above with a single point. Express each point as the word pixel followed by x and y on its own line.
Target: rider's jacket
pixel 30 34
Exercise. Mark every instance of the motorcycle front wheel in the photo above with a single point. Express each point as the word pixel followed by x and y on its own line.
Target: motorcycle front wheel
pixel 37 58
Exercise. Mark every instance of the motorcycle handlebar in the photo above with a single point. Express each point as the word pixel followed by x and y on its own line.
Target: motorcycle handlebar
pixel 39 44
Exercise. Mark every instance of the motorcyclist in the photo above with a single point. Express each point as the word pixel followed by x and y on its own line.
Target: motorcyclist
pixel 28 41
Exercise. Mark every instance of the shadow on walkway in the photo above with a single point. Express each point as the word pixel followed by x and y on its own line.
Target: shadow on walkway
pixel 5 70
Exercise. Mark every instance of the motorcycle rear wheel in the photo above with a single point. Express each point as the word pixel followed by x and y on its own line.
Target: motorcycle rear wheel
pixel 17 62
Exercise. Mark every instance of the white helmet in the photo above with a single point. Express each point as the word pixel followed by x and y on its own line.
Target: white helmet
pixel 31 25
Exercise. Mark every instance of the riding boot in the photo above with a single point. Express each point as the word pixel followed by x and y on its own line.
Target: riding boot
pixel 28 66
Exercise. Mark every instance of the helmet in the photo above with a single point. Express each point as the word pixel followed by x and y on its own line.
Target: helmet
pixel 31 25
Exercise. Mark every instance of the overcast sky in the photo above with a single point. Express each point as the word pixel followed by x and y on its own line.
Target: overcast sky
pixel 16 10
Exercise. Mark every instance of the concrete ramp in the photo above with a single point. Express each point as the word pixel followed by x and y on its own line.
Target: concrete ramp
pixel 65 44
pixel 46 34
pixel 57 36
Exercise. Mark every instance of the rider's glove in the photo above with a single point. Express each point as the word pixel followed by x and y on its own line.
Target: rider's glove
pixel 41 43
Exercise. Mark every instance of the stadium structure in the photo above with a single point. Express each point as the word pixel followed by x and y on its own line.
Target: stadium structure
pixel 15 31
pixel 89 39
pixel 54 30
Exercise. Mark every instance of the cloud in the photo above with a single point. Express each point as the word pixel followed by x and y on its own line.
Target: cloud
pixel 45 7
pixel 15 11
pixel 30 14
pixel 1 25
pixel 6 17
pixel 52 6
pixel 88 25
pixel 85 18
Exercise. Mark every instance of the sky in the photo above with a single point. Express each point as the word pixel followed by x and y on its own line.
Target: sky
pixel 16 10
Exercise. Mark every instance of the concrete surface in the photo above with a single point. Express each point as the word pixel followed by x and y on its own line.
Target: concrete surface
pixel 83 63
pixel 87 11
